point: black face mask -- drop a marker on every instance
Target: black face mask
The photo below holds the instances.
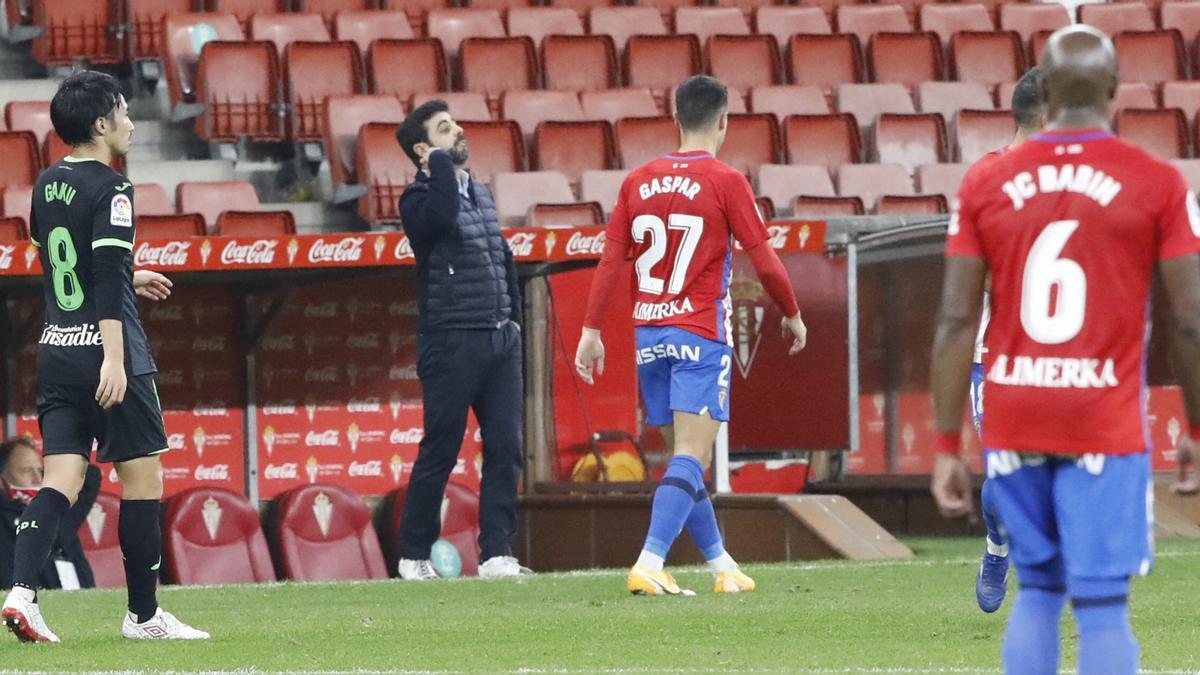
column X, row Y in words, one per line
column 459, row 153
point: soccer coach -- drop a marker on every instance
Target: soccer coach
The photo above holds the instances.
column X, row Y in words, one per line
column 468, row 343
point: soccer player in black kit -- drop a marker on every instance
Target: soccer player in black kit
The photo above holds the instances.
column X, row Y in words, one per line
column 95, row 375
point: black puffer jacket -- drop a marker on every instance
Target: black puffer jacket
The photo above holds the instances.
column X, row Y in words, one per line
column 464, row 264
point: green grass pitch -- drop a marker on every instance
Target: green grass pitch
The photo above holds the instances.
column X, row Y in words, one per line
column 902, row 617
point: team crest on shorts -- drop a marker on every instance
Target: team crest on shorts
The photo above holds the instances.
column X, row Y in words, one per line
column 721, row 396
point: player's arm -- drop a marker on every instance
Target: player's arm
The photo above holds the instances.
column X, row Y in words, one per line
column 589, row 355
column 751, row 232
column 112, row 269
column 430, row 212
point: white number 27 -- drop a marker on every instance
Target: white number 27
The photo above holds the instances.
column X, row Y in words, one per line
column 692, row 226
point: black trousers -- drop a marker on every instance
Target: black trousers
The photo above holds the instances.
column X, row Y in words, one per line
column 461, row 369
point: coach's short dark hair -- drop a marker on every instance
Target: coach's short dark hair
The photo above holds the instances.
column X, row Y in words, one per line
column 699, row 101
column 7, row 448
column 1027, row 105
column 81, row 99
column 412, row 130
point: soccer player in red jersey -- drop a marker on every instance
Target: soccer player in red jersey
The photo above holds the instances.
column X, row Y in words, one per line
column 679, row 216
column 1071, row 226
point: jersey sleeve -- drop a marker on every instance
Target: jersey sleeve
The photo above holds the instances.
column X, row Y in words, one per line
column 112, row 216
column 1179, row 220
column 745, row 222
column 962, row 235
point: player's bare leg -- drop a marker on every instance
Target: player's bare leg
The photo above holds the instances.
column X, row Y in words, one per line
column 141, row 545
column 37, row 531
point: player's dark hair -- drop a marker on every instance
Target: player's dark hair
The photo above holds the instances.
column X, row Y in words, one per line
column 699, row 101
column 7, row 448
column 412, row 130
column 1027, row 104
column 81, row 99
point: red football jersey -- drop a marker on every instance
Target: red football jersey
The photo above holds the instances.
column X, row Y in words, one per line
column 1071, row 225
column 680, row 214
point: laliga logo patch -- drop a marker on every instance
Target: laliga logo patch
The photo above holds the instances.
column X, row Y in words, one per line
column 121, row 212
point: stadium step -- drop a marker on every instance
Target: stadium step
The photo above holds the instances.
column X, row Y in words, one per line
column 1175, row 516
column 169, row 173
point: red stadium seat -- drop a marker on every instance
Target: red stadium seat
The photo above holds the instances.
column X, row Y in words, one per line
column 502, row 6
column 666, row 7
column 1153, row 57
column 784, row 21
column 574, row 147
column 825, row 140
column 150, row 199
column 1133, row 95
column 211, row 198
column 751, row 141
column 213, row 536
column 496, row 147
column 613, row 104
column 238, row 82
column 864, row 21
column 582, row 7
column 911, row 140
column 384, row 168
column 660, row 62
column 1183, row 16
column 31, row 116
column 783, row 182
column 13, row 229
column 602, row 187
column 704, row 22
column 827, row 207
column 1182, row 95
column 824, row 61
column 465, row 106
column 101, row 546
column 324, row 533
column 76, row 29
column 452, row 26
column 946, row 19
column 418, row 10
column 180, row 53
column 171, row 226
column 530, row 108
column 943, row 179
column 576, row 214
column 978, row 132
column 911, row 205
column 1160, row 132
column 1029, row 18
column 905, row 58
column 788, row 99
column 1037, row 45
column 343, row 117
column 55, row 148
column 145, row 19
column 20, row 152
column 743, row 62
column 245, row 10
column 315, row 71
column 284, row 29
column 460, row 525
column 990, row 59
column 516, row 193
column 492, row 66
column 868, row 101
column 255, row 224
column 642, row 139
column 536, row 23
column 329, row 9
column 947, row 98
column 16, row 201
column 562, row 54
column 869, row 182
column 402, row 68
column 621, row 23
column 363, row 28
column 747, row 7
column 1118, row 16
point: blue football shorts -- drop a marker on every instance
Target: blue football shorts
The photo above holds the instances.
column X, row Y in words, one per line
column 681, row 371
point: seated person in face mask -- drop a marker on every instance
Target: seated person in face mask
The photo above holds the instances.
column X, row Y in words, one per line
column 20, row 479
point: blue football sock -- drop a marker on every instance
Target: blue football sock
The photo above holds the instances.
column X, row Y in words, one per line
column 994, row 532
column 1031, row 640
column 702, row 525
column 673, row 501
column 1106, row 642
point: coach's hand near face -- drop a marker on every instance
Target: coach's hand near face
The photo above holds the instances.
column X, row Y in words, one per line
column 468, row 342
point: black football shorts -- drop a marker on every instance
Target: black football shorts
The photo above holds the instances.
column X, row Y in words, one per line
column 70, row 419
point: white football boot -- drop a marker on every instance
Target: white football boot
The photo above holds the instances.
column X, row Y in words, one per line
column 502, row 567
column 417, row 570
column 24, row 619
column 162, row 626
